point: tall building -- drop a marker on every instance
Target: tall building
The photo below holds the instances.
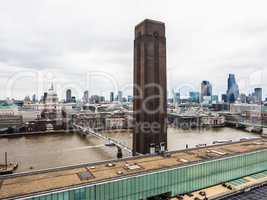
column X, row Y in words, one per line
column 68, row 96
column 150, row 92
column 120, row 96
column 258, row 95
column 111, row 97
column 251, row 98
column 86, row 96
column 243, row 98
column 27, row 100
column 102, row 99
column 95, row 99
column 73, row 99
column 194, row 97
column 177, row 97
column 34, row 99
column 45, row 97
column 214, row 99
column 224, row 98
column 232, row 89
column 206, row 90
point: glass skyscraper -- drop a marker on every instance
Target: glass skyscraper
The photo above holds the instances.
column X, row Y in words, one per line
column 258, row 95
column 194, row 97
column 206, row 90
column 232, row 89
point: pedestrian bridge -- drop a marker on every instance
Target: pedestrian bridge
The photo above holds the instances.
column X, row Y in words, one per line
column 247, row 124
column 111, row 141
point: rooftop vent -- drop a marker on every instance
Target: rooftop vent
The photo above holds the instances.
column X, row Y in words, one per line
column 132, row 166
column 119, row 172
column 183, row 160
column 110, row 164
column 85, row 175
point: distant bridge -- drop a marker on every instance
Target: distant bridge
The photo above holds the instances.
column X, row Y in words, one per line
column 89, row 131
column 247, row 124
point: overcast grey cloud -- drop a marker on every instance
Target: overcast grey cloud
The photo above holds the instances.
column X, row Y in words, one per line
column 63, row 41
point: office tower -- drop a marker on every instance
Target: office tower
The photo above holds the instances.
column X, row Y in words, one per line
column 232, row 89
column 177, row 97
column 45, row 97
column 73, row 99
column 206, row 90
column 224, row 98
column 86, row 96
column 258, row 95
column 68, row 96
column 111, row 96
column 102, row 99
column 95, row 99
column 41, row 99
column 120, row 96
column 34, row 99
column 251, row 99
column 214, row 99
column 243, row 98
column 150, row 93
column 194, row 97
column 27, row 100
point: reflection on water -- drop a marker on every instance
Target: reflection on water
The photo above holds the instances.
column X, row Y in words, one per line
column 54, row 150
column 178, row 138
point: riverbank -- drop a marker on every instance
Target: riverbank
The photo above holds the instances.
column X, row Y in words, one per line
column 33, row 133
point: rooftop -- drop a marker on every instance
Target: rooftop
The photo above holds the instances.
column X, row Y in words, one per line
column 149, row 21
column 248, row 187
column 7, row 106
column 37, row 182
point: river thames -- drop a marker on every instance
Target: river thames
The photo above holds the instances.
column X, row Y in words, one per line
column 62, row 149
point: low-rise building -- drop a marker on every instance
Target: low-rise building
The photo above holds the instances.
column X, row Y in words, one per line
column 9, row 116
column 195, row 120
column 212, row 120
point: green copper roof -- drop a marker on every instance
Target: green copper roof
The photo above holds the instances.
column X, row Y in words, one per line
column 7, row 106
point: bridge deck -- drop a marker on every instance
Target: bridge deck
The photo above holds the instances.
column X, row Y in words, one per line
column 26, row 184
column 89, row 131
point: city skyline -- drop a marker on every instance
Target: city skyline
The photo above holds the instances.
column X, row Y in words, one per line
column 197, row 50
column 118, row 95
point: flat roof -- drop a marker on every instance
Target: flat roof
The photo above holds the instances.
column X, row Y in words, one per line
column 26, row 184
column 149, row 21
column 236, row 191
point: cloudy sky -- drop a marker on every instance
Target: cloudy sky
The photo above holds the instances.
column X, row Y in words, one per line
column 89, row 44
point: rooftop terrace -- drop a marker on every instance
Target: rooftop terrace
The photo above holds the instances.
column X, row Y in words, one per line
column 25, row 184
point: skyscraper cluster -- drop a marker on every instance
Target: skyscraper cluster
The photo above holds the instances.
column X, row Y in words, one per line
column 232, row 94
column 255, row 96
